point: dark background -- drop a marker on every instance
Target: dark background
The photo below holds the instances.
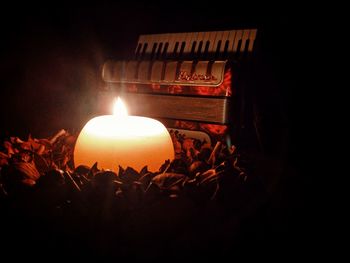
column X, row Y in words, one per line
column 51, row 55
column 50, row 65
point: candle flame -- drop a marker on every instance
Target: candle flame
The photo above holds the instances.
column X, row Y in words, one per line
column 119, row 109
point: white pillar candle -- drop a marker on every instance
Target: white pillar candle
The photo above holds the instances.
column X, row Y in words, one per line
column 122, row 140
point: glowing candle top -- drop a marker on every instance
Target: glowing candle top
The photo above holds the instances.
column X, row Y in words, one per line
column 123, row 140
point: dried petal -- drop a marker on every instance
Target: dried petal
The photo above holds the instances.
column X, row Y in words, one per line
column 41, row 163
column 27, row 169
column 70, row 140
column 9, row 148
column 3, row 155
column 82, row 170
column 214, row 153
column 45, row 142
column 144, row 170
column 58, row 135
column 197, row 166
column 187, row 144
column 146, row 179
column 16, row 140
column 201, row 176
column 177, row 147
column 3, row 159
column 129, row 176
column 28, row 182
column 93, row 171
column 167, row 180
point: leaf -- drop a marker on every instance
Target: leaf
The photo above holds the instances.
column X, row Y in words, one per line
column 16, row 140
column 129, row 175
column 167, row 180
column 27, row 169
column 93, row 171
column 26, row 146
column 72, row 181
column 82, row 170
column 177, row 146
column 176, row 143
column 23, row 162
column 146, row 179
column 3, row 155
column 197, row 166
column 121, row 171
column 57, row 135
column 36, row 146
column 105, row 177
column 165, row 166
column 70, row 140
column 40, row 163
column 144, row 170
column 213, row 156
column 187, row 144
column 29, row 182
column 9, row 148
column 3, row 159
column 45, row 142
column 200, row 177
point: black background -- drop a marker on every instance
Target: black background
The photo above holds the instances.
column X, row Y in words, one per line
column 50, row 64
column 51, row 55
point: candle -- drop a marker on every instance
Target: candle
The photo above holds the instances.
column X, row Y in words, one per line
column 122, row 140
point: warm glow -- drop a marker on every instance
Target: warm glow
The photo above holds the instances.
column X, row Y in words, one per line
column 119, row 139
column 119, row 108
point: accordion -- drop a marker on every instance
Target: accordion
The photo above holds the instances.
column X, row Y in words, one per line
column 194, row 82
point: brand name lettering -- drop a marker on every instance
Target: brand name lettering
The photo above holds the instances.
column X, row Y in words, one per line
column 185, row 76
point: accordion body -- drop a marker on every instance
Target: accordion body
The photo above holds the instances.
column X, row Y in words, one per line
column 189, row 81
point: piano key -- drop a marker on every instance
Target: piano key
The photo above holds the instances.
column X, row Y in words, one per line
column 231, row 39
column 189, row 42
column 193, row 42
column 217, row 41
column 252, row 36
column 212, row 37
column 200, row 38
column 162, row 39
column 139, row 44
column 225, row 36
column 245, row 37
column 170, row 44
column 172, row 40
column 149, row 40
column 154, row 50
column 188, row 38
column 205, row 41
column 237, row 39
column 181, row 37
column 157, row 38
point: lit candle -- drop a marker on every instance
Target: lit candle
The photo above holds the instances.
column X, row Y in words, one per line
column 119, row 139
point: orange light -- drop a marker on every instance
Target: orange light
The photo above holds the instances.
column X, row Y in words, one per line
column 119, row 139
